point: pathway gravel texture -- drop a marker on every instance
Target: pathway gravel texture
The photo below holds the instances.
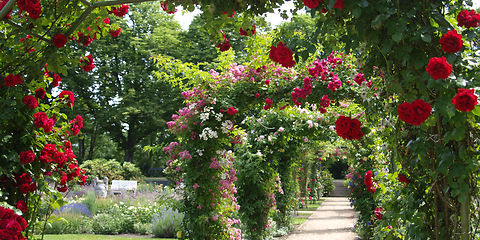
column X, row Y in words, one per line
column 333, row 220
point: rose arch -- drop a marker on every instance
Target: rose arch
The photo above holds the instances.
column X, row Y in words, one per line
column 405, row 85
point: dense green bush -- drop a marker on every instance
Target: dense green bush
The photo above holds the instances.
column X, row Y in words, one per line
column 112, row 169
column 326, row 179
column 69, row 223
column 143, row 228
column 167, row 223
column 105, row 223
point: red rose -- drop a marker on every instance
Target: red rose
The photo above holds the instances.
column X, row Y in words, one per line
column 224, row 45
column 282, row 55
column 30, row 101
column 405, row 112
column 360, row 78
column 121, row 11
column 77, row 125
column 59, row 40
column 325, row 101
column 451, row 42
column 86, row 63
column 165, row 8
column 368, row 181
column 403, row 178
column 32, row 7
column 56, row 80
column 115, row 33
column 62, row 189
column 106, row 20
column 249, row 32
column 439, row 68
column 339, row 4
column 232, row 111
column 12, row 80
column 322, row 110
column 465, row 100
column 311, row 3
column 85, row 40
column 22, row 206
column 40, row 119
column 468, row 19
column 27, row 157
column 67, row 97
column 348, row 128
column 414, row 113
column 378, row 213
column 231, row 15
column 422, row 111
column 40, row 93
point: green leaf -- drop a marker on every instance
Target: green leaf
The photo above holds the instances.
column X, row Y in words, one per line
column 397, row 37
column 357, row 12
column 426, row 37
column 476, row 111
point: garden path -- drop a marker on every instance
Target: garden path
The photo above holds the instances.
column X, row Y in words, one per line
column 333, row 220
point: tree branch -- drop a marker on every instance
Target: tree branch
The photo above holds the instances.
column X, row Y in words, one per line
column 4, row 11
column 26, row 31
column 90, row 8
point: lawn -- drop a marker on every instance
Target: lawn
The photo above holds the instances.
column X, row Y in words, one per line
column 298, row 221
column 312, row 207
column 98, row 237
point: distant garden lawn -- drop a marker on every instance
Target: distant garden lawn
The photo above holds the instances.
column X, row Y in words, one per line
column 97, row 237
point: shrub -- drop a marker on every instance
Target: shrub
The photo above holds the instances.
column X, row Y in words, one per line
column 69, row 223
column 326, row 180
column 166, row 223
column 112, row 169
column 143, row 228
column 104, row 223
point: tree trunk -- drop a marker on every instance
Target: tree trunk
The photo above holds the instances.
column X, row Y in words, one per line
column 81, row 149
column 93, row 140
column 131, row 141
column 465, row 217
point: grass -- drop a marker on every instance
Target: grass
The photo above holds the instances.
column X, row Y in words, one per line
column 97, row 237
column 312, row 207
column 304, row 214
column 298, row 221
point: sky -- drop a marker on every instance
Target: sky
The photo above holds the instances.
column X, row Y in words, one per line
column 273, row 18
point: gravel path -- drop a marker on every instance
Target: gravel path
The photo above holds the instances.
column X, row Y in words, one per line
column 333, row 220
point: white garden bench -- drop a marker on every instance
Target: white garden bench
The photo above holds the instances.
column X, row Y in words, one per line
column 119, row 186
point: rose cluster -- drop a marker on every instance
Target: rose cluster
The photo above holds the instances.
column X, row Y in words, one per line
column 86, row 63
column 468, row 19
column 120, row 11
column 12, row 80
column 25, row 183
column 165, row 8
column 378, row 213
column 348, row 128
column 76, row 124
column 32, row 7
column 281, row 54
column 268, row 104
column 11, row 225
column 402, row 178
column 368, row 181
column 414, row 113
column 303, row 92
column 223, row 45
column 249, row 31
column 41, row 120
column 324, row 102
